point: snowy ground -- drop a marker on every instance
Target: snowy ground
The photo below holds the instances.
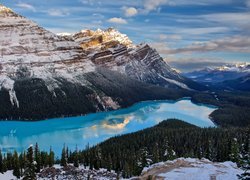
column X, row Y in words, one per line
column 7, row 176
column 192, row 169
column 178, row 169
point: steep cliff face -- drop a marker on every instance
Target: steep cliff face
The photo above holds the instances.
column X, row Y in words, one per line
column 29, row 51
column 43, row 75
column 113, row 50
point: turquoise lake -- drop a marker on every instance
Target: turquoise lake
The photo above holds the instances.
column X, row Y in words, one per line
column 95, row 128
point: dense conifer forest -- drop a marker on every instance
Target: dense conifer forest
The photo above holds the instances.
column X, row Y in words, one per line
column 128, row 154
column 233, row 107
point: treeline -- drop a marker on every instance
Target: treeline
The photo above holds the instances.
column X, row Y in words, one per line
column 28, row 163
column 234, row 107
column 129, row 154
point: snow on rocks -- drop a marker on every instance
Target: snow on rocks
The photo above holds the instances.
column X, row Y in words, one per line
column 112, row 49
column 71, row 173
column 8, row 84
column 33, row 52
column 192, row 169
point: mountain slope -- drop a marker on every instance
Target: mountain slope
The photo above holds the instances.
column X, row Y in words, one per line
column 219, row 74
column 115, row 51
column 242, row 83
column 103, row 90
column 43, row 75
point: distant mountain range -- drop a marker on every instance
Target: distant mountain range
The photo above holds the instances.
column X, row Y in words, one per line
column 230, row 77
column 219, row 74
column 45, row 75
column 242, row 83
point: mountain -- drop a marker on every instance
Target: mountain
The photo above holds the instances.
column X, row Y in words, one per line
column 43, row 75
column 115, row 51
column 242, row 83
column 219, row 74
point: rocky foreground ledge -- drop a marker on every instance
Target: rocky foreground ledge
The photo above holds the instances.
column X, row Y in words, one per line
column 181, row 168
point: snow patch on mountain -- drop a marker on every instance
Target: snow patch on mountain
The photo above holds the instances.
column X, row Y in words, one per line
column 8, row 84
column 114, row 50
column 182, row 85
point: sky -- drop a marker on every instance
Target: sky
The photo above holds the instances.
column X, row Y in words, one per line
column 188, row 34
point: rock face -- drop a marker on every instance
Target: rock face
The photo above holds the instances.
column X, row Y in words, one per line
column 43, row 75
column 29, row 51
column 182, row 168
column 115, row 51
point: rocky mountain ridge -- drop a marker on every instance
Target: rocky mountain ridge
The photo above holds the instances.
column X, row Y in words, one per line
column 115, row 51
column 220, row 74
column 45, row 75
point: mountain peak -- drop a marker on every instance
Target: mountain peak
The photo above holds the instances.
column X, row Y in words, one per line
column 99, row 37
column 4, row 9
column 6, row 12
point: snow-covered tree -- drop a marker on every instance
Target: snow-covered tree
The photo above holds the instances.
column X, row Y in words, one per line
column 29, row 172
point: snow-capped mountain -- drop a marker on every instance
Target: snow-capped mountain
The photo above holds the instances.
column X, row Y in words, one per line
column 29, row 51
column 45, row 75
column 115, row 51
column 219, row 74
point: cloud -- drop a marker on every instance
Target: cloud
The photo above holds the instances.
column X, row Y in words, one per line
column 227, row 44
column 151, row 5
column 87, row 2
column 130, row 11
column 203, row 31
column 26, row 6
column 229, row 18
column 248, row 3
column 199, row 2
column 116, row 20
column 57, row 12
column 164, row 37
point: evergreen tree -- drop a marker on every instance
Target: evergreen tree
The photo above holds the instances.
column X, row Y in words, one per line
column 235, row 151
column 67, row 153
column 98, row 154
column 29, row 172
column 4, row 164
column 169, row 153
column 9, row 161
column 16, row 165
column 144, row 158
column 211, row 150
column 44, row 159
column 22, row 162
column 63, row 157
column 51, row 158
column 75, row 158
column 245, row 161
column 109, row 163
column 1, row 162
column 37, row 158
column 156, row 154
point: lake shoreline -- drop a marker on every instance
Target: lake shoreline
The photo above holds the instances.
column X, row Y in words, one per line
column 82, row 115
column 95, row 128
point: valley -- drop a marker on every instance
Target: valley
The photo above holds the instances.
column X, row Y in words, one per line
column 95, row 105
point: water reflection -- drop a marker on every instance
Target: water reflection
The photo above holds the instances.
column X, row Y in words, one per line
column 94, row 128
